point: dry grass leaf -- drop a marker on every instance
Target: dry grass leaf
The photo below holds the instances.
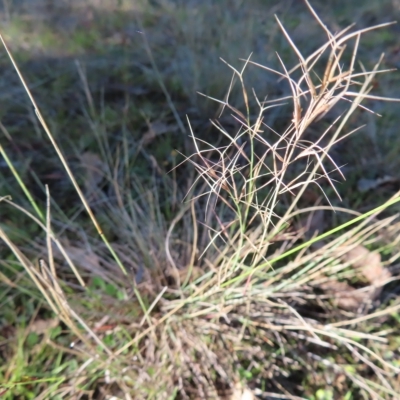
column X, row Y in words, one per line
column 369, row 264
column 7, row 281
column 41, row 326
column 345, row 296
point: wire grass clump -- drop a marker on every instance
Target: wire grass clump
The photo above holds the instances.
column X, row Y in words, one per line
column 265, row 304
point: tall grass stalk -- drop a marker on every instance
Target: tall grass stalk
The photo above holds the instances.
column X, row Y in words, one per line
column 63, row 162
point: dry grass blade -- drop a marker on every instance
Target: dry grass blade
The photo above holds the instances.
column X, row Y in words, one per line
column 303, row 61
column 62, row 159
column 50, row 235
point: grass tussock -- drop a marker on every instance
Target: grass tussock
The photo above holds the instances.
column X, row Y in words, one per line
column 225, row 284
